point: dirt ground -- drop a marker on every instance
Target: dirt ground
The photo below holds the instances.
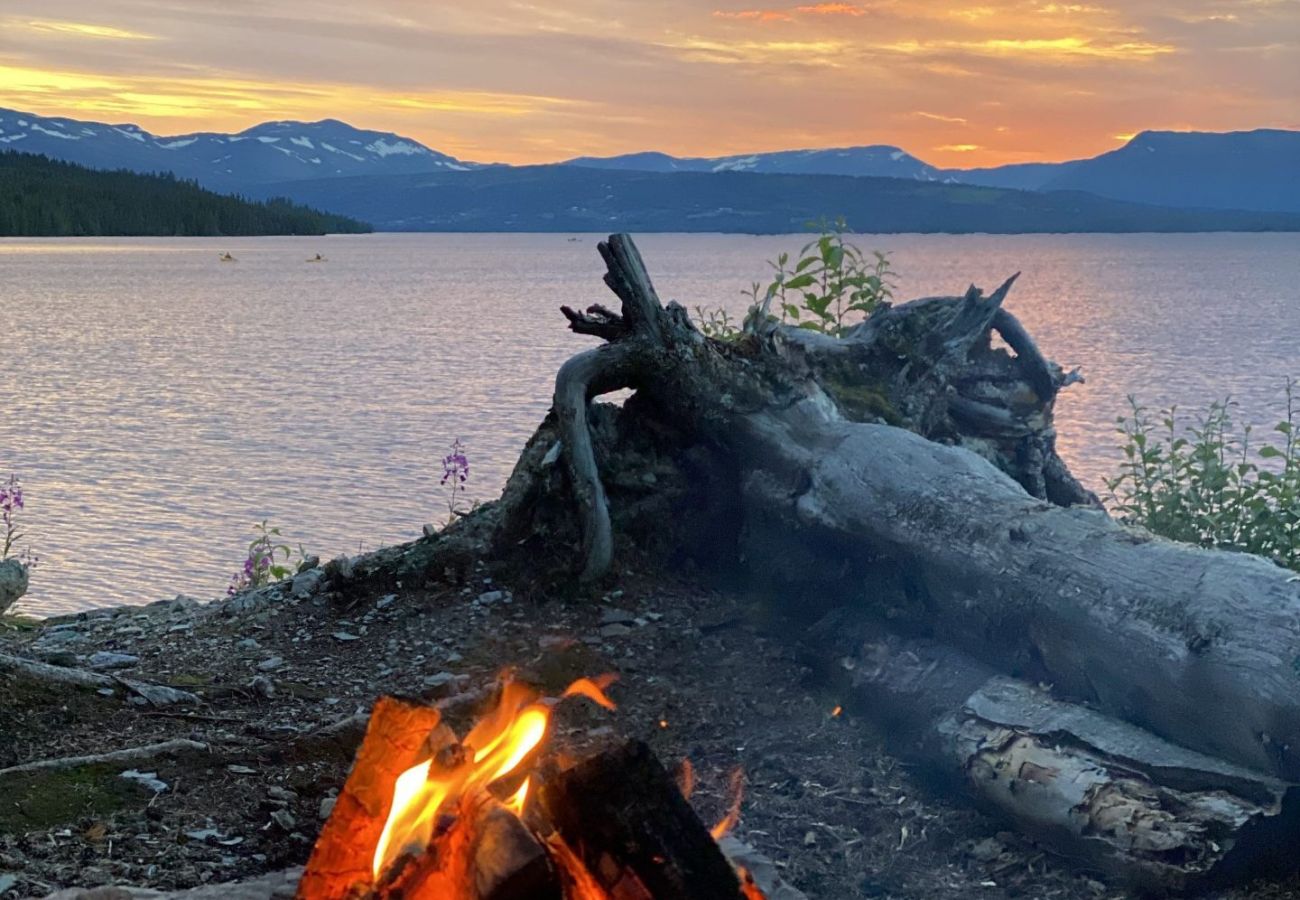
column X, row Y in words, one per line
column 699, row 679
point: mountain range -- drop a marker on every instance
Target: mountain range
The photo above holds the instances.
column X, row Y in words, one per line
column 398, row 183
column 272, row 151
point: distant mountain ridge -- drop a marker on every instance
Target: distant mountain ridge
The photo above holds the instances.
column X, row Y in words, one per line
column 1255, row 170
column 574, row 199
column 272, row 151
column 1232, row 170
column 879, row 160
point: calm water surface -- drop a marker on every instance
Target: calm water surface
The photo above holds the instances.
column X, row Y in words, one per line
column 158, row 402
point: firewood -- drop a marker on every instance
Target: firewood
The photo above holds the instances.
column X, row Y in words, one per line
column 341, row 862
column 622, row 814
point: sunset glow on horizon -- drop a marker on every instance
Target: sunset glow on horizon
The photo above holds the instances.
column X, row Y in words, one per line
column 961, row 84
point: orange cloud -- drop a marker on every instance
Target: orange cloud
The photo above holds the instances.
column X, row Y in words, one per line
column 831, row 9
column 758, row 15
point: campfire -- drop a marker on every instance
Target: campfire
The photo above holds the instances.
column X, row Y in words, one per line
column 500, row 815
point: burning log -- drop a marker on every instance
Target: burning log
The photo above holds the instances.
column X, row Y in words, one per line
column 426, row 815
column 625, row 818
column 1091, row 787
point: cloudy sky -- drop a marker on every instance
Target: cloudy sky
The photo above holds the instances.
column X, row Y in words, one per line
column 956, row 83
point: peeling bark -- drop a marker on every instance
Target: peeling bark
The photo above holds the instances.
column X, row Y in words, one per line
column 1091, row 787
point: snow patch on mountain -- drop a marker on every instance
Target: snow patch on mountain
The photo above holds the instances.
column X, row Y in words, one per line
column 382, row 147
column 176, row 145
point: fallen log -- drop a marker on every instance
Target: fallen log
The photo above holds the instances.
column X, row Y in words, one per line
column 910, row 469
column 44, row 673
column 1088, row 786
column 125, row 755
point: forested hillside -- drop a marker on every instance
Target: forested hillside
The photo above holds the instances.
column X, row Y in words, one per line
column 42, row 197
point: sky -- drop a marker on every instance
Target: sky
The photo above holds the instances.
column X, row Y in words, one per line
column 955, row 83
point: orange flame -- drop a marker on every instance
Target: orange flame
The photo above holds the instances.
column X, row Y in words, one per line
column 580, row 884
column 686, row 778
column 494, row 748
column 724, row 827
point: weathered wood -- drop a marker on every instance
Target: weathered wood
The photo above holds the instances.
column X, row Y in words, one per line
column 1199, row 647
column 1087, row 785
column 622, row 814
column 32, row 670
column 125, row 755
column 273, row 886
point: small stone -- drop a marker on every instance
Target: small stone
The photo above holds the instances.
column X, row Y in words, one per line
column 64, row 658
column 443, row 684
column 344, row 636
column 275, row 792
column 616, row 630
column 147, row 780
column 487, row 598
column 385, row 601
column 262, row 686
column 429, row 530
column 270, row 665
column 987, row 850
column 240, row 770
column 616, row 617
column 248, row 644
column 109, row 660
column 182, row 626
column 454, row 657
column 810, row 839
column 105, row 692
column 284, row 819
column 326, row 807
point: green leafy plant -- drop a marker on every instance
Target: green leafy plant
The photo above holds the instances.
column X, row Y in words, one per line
column 831, row 287
column 1205, row 483
column 717, row 323
column 267, row 561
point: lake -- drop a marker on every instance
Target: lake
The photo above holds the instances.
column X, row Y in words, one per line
column 158, row 402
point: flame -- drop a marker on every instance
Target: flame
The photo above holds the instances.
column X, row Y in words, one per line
column 748, row 889
column 728, row 822
column 494, row 748
column 686, row 778
column 580, row 884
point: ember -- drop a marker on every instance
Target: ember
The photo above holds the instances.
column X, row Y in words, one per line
column 427, row 815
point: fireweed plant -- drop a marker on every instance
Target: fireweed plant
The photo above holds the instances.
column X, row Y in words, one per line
column 455, row 474
column 11, row 507
column 1206, row 483
column 267, row 560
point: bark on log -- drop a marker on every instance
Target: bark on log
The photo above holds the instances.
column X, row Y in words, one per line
column 1199, row 647
column 625, row 818
column 127, row 755
column 32, row 670
column 1086, row 785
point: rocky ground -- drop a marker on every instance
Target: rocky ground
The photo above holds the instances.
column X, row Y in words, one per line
column 702, row 677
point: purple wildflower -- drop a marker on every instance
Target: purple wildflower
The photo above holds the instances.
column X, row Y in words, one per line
column 11, row 501
column 455, row 471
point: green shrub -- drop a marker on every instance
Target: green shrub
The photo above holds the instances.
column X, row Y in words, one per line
column 830, row 288
column 1207, row 484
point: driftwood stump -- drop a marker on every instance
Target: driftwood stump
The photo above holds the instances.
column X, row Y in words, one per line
column 906, row 472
